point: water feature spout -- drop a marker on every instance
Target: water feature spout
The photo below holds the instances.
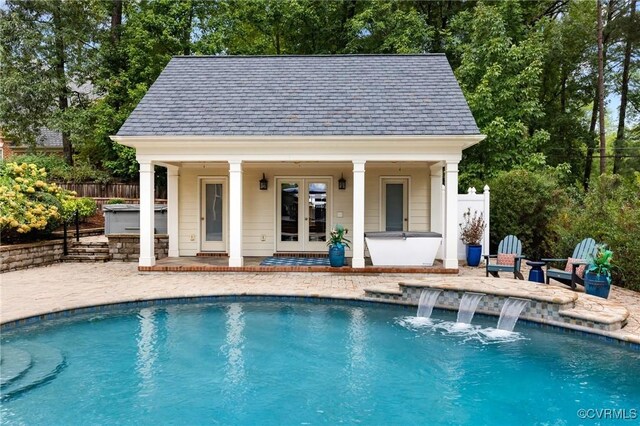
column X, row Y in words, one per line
column 428, row 298
column 511, row 310
column 468, row 305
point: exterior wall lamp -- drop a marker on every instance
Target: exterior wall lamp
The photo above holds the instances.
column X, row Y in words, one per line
column 342, row 183
column 264, row 183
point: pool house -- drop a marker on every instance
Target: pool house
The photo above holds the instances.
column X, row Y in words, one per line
column 265, row 154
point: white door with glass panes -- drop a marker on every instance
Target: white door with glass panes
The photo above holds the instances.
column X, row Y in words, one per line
column 213, row 215
column 303, row 210
column 394, row 205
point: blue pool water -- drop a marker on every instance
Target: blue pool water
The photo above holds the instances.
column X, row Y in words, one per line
column 313, row 363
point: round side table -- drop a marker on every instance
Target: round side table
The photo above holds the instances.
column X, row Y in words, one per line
column 536, row 274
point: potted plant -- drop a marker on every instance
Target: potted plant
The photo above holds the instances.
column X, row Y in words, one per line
column 597, row 278
column 337, row 242
column 471, row 232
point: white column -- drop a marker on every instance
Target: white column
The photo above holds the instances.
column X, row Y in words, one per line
column 357, row 241
column 147, row 199
column 436, row 203
column 451, row 215
column 235, row 213
column 173, row 180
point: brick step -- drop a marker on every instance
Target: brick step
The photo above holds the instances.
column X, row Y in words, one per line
column 86, row 258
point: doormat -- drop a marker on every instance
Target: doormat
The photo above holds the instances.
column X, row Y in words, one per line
column 295, row 261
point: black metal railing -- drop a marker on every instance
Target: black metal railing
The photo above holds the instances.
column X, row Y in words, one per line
column 76, row 219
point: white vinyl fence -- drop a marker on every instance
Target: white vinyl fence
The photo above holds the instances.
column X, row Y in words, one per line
column 476, row 202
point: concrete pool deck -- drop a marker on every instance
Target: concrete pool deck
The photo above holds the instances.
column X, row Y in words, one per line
column 64, row 286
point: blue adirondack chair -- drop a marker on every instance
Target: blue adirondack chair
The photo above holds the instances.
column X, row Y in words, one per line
column 584, row 250
column 509, row 245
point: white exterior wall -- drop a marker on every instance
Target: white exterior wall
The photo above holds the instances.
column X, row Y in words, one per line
column 189, row 198
column 419, row 195
column 260, row 210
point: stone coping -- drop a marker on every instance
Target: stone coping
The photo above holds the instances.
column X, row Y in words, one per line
column 591, row 308
column 57, row 240
column 505, row 287
column 11, row 247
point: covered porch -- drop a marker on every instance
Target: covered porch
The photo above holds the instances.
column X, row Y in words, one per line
column 390, row 184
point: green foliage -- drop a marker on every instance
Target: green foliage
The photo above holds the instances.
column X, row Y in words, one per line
column 86, row 207
column 58, row 170
column 29, row 206
column 524, row 203
column 500, row 73
column 337, row 236
column 566, row 87
column 115, row 201
column 609, row 213
column 600, row 264
column 46, row 53
column 388, row 27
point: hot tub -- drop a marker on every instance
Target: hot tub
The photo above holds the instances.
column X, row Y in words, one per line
column 403, row 248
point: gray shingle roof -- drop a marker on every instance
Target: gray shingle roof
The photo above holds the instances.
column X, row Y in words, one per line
column 303, row 95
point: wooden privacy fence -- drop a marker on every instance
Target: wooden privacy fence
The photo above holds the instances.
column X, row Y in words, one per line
column 103, row 192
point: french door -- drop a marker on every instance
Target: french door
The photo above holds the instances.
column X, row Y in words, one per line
column 213, row 215
column 303, row 208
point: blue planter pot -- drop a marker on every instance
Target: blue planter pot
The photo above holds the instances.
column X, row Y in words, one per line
column 597, row 285
column 474, row 253
column 336, row 255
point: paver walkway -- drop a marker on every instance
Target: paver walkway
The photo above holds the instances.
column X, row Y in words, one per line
column 72, row 285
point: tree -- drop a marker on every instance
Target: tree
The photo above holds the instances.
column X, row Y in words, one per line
column 566, row 89
column 47, row 56
column 500, row 73
column 603, row 140
column 624, row 89
column 388, row 27
column 132, row 53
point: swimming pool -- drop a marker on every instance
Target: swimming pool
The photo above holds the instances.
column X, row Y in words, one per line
column 270, row 362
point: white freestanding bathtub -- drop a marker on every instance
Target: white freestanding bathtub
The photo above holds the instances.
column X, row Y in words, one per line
column 403, row 248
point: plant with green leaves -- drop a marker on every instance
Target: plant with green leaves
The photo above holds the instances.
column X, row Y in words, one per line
column 600, row 263
column 337, row 237
column 85, row 207
column 525, row 203
column 609, row 213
